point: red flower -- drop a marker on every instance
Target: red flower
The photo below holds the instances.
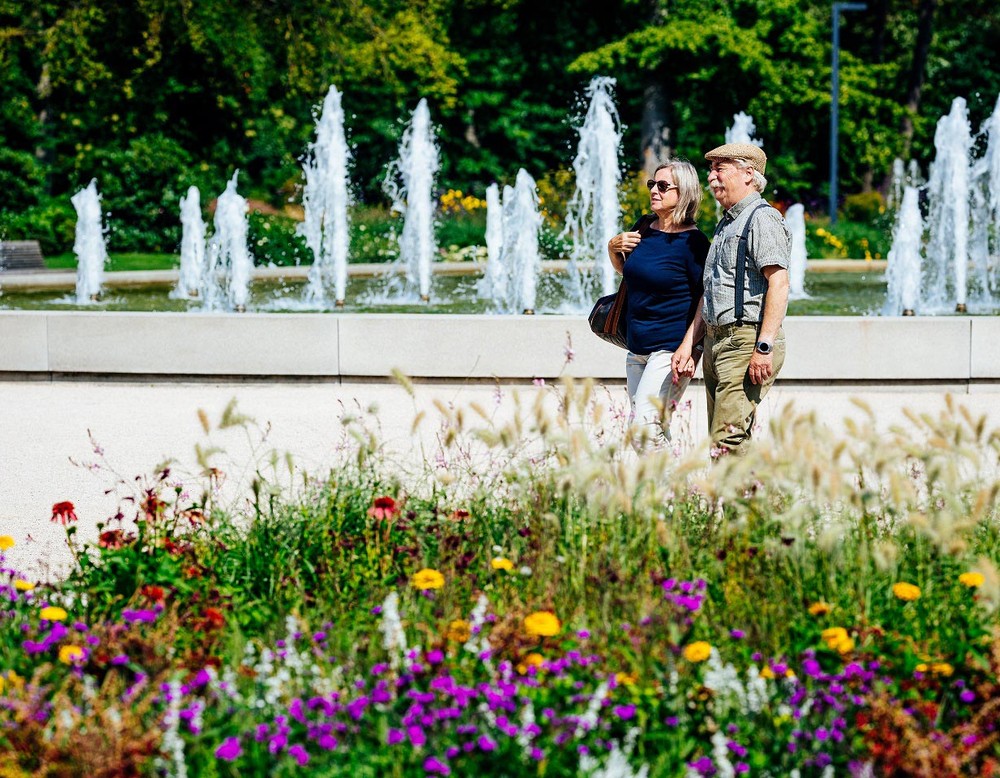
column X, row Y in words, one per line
column 384, row 508
column 111, row 539
column 63, row 512
column 154, row 593
column 214, row 617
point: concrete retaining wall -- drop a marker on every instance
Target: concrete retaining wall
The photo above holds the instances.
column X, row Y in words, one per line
column 959, row 352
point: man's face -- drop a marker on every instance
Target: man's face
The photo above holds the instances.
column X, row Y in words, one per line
column 729, row 182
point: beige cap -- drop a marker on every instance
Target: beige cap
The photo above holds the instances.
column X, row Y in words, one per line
column 753, row 154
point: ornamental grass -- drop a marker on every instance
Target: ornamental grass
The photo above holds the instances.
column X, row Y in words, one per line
column 532, row 599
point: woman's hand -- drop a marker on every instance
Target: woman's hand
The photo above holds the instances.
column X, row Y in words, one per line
column 624, row 242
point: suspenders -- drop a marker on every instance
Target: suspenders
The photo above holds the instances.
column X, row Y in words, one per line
column 741, row 261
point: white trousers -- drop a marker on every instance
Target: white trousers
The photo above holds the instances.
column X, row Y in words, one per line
column 653, row 393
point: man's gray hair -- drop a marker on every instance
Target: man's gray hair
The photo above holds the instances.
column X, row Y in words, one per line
column 759, row 182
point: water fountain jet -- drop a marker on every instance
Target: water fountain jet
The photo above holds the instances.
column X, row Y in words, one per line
column 89, row 247
column 325, row 199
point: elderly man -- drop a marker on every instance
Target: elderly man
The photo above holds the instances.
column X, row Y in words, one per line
column 746, row 292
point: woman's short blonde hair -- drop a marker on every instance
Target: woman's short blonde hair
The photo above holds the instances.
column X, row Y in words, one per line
column 689, row 191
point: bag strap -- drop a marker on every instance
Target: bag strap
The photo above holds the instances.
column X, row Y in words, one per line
column 741, row 263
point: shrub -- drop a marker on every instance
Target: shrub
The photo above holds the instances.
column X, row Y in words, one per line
column 274, row 239
column 52, row 223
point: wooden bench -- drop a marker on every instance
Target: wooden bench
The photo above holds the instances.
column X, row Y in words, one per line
column 18, row 255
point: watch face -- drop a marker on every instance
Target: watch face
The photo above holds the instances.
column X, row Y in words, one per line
column 764, row 348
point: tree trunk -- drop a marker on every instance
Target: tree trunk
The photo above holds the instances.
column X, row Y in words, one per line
column 655, row 104
column 655, row 123
column 921, row 49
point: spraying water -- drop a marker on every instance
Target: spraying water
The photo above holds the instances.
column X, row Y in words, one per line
column 519, row 261
column 593, row 212
column 984, row 242
column 409, row 183
column 227, row 282
column 895, row 198
column 946, row 271
column 742, row 130
column 492, row 286
column 903, row 269
column 91, row 252
column 795, row 220
column 326, row 198
column 192, row 272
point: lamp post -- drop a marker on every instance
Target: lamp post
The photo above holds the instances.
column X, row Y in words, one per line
column 835, row 100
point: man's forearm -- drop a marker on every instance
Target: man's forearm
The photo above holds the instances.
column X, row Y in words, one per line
column 775, row 304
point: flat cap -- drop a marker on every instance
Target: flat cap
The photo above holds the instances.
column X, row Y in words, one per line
column 753, row 154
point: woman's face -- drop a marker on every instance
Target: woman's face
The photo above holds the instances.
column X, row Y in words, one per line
column 662, row 202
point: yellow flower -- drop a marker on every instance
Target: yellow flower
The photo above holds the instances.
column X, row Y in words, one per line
column 833, row 635
column 844, row 646
column 820, row 608
column 459, row 631
column 533, row 659
column 428, row 578
column 23, row 586
column 942, row 668
column 626, row 679
column 12, row 679
column 6, row 541
column 698, row 651
column 542, row 624
column 501, row 563
column 53, row 613
column 971, row 579
column 921, row 668
column 70, row 654
column 767, row 672
column 906, row 591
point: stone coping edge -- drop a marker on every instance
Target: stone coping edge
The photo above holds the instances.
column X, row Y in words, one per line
column 951, row 350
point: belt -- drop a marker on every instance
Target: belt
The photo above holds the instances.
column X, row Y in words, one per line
column 722, row 330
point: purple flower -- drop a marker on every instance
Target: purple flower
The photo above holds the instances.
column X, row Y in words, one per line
column 417, row 736
column 671, row 721
column 703, row 766
column 741, row 767
column 486, row 744
column 299, row 753
column 436, row 766
column 394, row 736
column 229, row 750
column 624, row 712
column 737, row 634
column 967, row 696
column 435, row 657
column 135, row 616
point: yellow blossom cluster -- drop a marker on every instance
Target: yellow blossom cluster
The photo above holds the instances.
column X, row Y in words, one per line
column 837, row 639
column 832, row 240
column 501, row 563
column 453, row 201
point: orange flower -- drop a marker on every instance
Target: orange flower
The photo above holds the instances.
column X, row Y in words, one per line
column 384, row 508
column 64, row 513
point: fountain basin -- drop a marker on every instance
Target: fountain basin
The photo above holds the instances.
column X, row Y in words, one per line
column 956, row 353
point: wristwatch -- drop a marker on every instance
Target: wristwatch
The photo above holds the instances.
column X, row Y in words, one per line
column 763, row 347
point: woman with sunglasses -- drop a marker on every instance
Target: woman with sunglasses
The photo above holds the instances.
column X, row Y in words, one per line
column 661, row 259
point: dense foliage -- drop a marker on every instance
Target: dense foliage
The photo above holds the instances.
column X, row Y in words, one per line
column 152, row 96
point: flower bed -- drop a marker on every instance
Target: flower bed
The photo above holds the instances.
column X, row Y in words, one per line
column 535, row 601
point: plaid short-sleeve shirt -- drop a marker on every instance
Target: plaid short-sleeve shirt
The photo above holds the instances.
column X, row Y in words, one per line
column 769, row 243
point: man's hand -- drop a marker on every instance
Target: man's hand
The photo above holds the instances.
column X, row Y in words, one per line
column 761, row 368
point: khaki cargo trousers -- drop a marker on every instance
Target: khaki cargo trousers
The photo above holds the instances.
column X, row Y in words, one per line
column 732, row 399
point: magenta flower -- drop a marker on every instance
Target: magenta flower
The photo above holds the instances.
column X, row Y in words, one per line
column 434, row 765
column 229, row 750
column 299, row 753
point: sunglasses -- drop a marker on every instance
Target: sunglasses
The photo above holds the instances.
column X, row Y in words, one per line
column 663, row 186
